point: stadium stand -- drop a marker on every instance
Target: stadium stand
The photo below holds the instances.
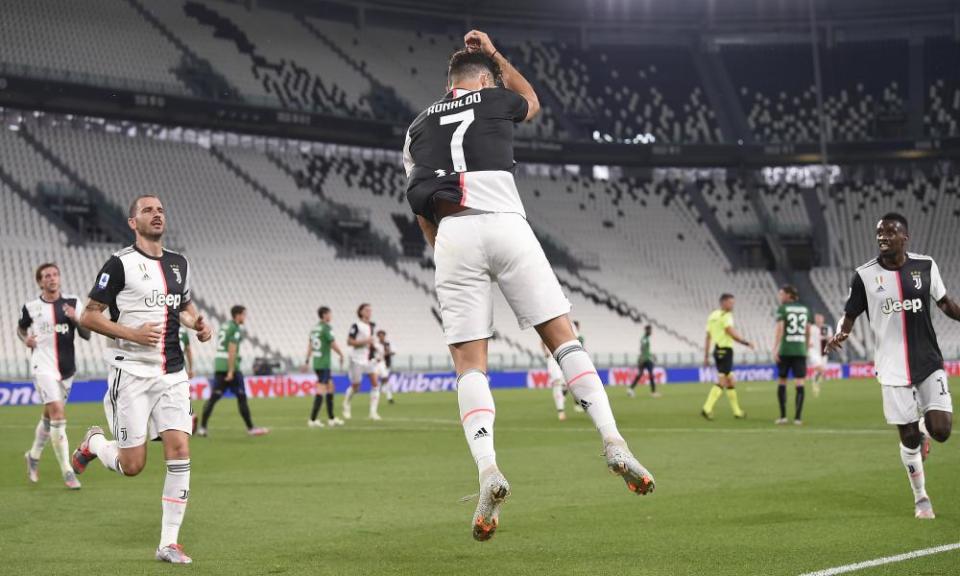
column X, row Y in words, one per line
column 863, row 82
column 943, row 80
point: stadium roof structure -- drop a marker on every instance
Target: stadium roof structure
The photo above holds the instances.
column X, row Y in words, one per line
column 684, row 12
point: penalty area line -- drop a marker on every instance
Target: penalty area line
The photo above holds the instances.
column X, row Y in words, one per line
column 885, row 560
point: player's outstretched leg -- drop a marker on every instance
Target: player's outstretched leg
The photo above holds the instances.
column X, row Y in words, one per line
column 716, row 391
column 96, row 446
column 911, row 455
column 587, row 389
column 176, row 493
column 61, row 448
column 346, row 409
column 477, row 415
column 374, row 398
column 40, row 438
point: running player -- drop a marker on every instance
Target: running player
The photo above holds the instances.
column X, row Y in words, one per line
column 47, row 326
column 458, row 157
column 644, row 364
column 384, row 353
column 321, row 343
column 187, row 352
column 790, row 347
column 820, row 334
column 722, row 334
column 147, row 291
column 895, row 290
column 360, row 340
column 227, row 374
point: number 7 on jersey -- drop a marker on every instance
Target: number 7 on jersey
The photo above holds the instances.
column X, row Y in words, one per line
column 465, row 119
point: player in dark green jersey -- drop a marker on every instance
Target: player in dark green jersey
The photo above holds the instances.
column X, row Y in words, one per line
column 227, row 374
column 187, row 352
column 790, row 349
column 645, row 364
column 321, row 343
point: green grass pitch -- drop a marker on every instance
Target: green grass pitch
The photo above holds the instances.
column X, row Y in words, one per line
column 733, row 497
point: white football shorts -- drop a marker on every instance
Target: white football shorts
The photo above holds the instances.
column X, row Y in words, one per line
column 51, row 388
column 358, row 369
column 474, row 250
column 139, row 409
column 906, row 404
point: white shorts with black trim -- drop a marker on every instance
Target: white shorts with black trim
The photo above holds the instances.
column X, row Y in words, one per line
column 906, row 404
column 358, row 369
column 51, row 388
column 139, row 409
column 474, row 250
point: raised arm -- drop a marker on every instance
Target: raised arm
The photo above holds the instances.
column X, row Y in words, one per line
column 513, row 80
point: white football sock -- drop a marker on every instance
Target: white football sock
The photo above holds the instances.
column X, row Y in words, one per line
column 587, row 389
column 348, row 396
column 107, row 451
column 477, row 413
column 40, row 438
column 61, row 448
column 913, row 462
column 374, row 400
column 387, row 389
column 176, row 492
column 558, row 400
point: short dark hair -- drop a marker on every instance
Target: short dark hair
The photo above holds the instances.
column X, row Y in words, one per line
column 43, row 267
column 132, row 212
column 791, row 291
column 361, row 307
column 725, row 296
column 896, row 217
column 237, row 310
column 381, row 331
column 648, row 327
column 322, row 311
column 464, row 63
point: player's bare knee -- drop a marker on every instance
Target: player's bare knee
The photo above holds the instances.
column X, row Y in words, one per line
column 54, row 411
column 132, row 464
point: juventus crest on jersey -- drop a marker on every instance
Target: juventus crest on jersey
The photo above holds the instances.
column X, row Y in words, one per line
column 55, row 334
column 460, row 149
column 139, row 288
column 898, row 303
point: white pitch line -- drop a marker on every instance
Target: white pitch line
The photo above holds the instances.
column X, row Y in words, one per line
column 885, row 560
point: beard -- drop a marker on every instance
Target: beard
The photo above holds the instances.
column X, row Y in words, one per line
column 148, row 233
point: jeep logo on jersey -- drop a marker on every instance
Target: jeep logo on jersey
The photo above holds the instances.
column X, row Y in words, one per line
column 891, row 306
column 61, row 328
column 160, row 299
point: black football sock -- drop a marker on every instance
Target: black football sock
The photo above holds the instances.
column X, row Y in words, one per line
column 330, row 405
column 317, row 404
column 782, row 397
column 653, row 383
column 244, row 410
column 635, row 380
column 208, row 407
column 801, row 392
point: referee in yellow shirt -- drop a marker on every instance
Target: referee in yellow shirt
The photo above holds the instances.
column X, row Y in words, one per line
column 721, row 333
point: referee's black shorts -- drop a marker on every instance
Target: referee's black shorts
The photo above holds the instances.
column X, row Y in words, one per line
column 723, row 358
column 795, row 364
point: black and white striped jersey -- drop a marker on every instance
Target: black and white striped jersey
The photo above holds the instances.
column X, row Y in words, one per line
column 55, row 334
column 139, row 288
column 898, row 303
column 460, row 149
